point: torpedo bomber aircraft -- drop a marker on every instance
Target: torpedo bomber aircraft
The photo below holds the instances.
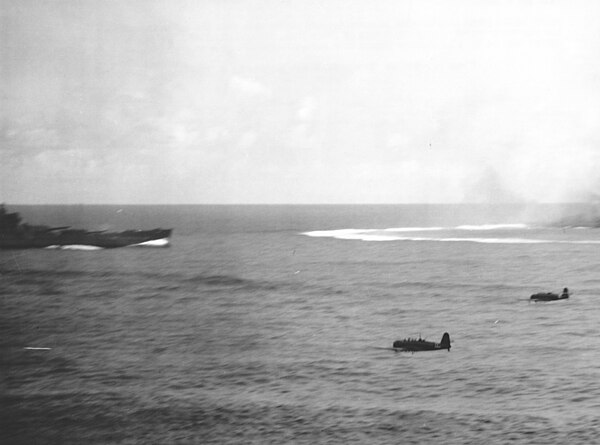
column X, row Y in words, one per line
column 550, row 296
column 418, row 344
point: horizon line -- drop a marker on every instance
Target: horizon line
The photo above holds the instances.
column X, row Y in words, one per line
column 514, row 203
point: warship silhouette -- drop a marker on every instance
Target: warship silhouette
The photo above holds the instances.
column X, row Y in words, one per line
column 15, row 234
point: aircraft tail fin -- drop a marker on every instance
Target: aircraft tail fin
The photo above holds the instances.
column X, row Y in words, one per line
column 445, row 343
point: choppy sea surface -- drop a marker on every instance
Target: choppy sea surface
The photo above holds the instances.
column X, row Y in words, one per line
column 266, row 324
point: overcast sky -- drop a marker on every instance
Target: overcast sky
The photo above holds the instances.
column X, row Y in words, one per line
column 328, row 101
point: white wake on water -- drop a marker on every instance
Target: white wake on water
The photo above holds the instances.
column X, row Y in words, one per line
column 493, row 227
column 74, row 247
column 415, row 229
column 389, row 235
column 462, row 227
column 163, row 242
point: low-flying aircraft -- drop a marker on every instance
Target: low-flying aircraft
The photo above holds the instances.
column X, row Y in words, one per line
column 418, row 344
column 550, row 296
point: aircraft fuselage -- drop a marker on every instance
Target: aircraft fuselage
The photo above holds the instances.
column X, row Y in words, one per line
column 414, row 345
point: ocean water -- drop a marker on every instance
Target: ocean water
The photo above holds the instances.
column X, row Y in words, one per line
column 267, row 324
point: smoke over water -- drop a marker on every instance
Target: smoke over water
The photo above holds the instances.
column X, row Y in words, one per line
column 586, row 216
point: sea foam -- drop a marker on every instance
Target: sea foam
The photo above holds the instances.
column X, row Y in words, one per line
column 388, row 235
column 163, row 242
column 74, row 247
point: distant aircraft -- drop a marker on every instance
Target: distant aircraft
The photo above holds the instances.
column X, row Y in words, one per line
column 418, row 344
column 549, row 296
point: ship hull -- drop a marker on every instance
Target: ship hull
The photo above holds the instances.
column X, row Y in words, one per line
column 107, row 240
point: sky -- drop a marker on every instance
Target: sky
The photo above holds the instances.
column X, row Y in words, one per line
column 299, row 101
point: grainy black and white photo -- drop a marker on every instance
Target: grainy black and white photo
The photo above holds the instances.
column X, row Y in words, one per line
column 299, row 222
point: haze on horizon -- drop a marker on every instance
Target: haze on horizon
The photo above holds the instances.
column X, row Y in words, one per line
column 338, row 101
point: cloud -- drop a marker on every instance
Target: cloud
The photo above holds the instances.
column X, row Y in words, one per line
column 342, row 102
column 248, row 87
column 307, row 109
